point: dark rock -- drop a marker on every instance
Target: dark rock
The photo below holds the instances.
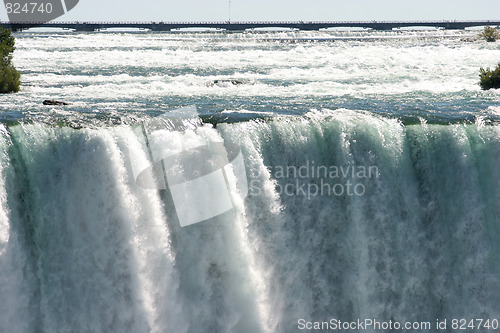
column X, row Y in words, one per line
column 222, row 82
column 54, row 102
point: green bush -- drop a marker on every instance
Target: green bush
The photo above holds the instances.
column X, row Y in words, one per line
column 9, row 76
column 490, row 78
column 9, row 79
column 490, row 34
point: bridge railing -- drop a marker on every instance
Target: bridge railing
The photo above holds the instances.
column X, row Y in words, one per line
column 254, row 22
column 89, row 25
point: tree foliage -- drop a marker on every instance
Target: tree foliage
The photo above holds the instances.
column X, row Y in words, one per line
column 9, row 76
column 489, row 78
column 490, row 34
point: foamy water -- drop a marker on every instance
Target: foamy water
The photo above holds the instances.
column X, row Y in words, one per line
column 413, row 73
column 371, row 163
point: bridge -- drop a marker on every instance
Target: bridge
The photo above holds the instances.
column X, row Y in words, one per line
column 241, row 26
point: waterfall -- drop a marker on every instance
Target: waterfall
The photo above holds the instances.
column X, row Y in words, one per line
column 348, row 216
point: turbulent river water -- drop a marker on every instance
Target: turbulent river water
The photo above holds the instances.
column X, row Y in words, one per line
column 343, row 176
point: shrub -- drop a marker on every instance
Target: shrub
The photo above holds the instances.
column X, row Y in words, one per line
column 489, row 78
column 9, row 79
column 490, row 34
column 9, row 76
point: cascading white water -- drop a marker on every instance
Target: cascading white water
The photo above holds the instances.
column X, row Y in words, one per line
column 419, row 244
column 84, row 248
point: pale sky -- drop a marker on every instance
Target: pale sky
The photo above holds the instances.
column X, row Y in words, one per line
column 281, row 10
